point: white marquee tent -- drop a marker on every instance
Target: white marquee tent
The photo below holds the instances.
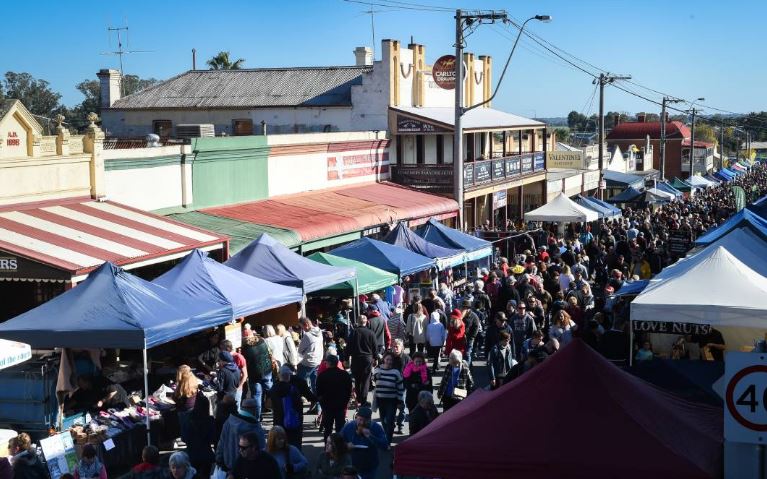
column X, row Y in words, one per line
column 562, row 210
column 711, row 287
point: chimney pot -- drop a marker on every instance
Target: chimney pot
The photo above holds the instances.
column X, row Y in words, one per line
column 111, row 85
column 363, row 56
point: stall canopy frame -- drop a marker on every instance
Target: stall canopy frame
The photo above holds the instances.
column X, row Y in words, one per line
column 368, row 279
column 402, row 236
column 439, row 234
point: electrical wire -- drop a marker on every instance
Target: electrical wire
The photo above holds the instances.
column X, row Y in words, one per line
column 400, row 7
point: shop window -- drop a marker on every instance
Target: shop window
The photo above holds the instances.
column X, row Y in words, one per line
column 440, row 149
column 242, row 127
column 163, row 128
column 420, row 150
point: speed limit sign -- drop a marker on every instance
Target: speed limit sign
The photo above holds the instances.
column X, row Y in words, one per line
column 745, row 399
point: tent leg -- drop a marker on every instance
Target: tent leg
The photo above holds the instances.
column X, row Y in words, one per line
column 356, row 300
column 303, row 301
column 146, row 398
column 631, row 344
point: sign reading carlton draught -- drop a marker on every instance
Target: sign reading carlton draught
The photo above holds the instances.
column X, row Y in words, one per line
column 565, row 159
column 443, row 72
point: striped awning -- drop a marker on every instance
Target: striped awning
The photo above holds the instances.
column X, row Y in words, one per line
column 76, row 236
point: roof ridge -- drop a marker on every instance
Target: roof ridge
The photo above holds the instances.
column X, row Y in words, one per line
column 331, row 67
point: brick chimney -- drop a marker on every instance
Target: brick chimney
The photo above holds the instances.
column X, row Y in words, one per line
column 110, row 86
column 641, row 117
column 363, row 56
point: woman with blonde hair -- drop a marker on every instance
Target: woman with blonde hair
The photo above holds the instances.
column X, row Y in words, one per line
column 563, row 327
column 187, row 386
column 289, row 351
column 292, row 463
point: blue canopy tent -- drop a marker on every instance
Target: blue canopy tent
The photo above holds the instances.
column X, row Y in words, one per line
column 618, row 179
column 632, row 288
column 114, row 309
column 439, row 234
column 616, row 211
column 391, row 258
column 664, row 186
column 603, row 210
column 403, row 236
column 270, row 260
column 199, row 276
column 712, row 178
column 759, row 207
column 722, row 176
column 744, row 217
column 626, row 196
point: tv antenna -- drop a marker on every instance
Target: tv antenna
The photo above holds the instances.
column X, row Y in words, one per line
column 120, row 52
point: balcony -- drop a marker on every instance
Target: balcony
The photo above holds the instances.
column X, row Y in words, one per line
column 476, row 174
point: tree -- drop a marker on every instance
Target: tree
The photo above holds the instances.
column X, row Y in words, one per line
column 705, row 132
column 562, row 134
column 575, row 120
column 91, row 90
column 222, row 62
column 35, row 94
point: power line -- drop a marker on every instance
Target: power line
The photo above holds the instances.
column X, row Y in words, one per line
column 424, row 8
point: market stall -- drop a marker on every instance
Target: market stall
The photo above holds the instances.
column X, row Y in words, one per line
column 604, row 210
column 385, row 256
column 562, row 210
column 628, row 195
column 403, row 236
column 670, row 437
column 743, row 218
column 199, row 276
column 369, row 278
column 439, row 234
column 664, row 186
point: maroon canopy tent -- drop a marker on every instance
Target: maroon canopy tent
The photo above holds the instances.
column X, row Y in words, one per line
column 575, row 415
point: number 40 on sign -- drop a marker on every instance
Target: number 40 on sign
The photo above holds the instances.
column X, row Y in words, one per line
column 745, row 405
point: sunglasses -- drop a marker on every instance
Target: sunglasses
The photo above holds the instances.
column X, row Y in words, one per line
column 242, row 448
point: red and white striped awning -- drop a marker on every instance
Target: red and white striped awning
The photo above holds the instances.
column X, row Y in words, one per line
column 79, row 235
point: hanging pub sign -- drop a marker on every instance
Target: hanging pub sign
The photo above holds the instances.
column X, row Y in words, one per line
column 411, row 125
column 443, row 72
column 668, row 327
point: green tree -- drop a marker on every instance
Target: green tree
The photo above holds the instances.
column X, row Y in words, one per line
column 576, row 120
column 35, row 94
column 562, row 134
column 222, row 62
column 705, row 132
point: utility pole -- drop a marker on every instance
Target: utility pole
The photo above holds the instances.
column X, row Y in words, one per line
column 663, row 135
column 603, row 80
column 464, row 20
column 692, row 143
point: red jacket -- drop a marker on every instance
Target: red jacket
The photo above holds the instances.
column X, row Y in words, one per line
column 456, row 338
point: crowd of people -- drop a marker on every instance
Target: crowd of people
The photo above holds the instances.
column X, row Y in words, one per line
column 514, row 315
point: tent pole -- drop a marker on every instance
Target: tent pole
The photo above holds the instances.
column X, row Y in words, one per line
column 631, row 344
column 303, row 300
column 146, row 396
column 356, row 300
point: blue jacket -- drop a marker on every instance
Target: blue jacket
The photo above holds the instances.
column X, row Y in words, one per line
column 228, row 448
column 365, row 459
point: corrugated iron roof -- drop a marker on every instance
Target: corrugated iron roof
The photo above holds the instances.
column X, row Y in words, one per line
column 326, row 213
column 262, row 87
column 637, row 130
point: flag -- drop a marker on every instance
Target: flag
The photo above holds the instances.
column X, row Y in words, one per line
column 740, row 197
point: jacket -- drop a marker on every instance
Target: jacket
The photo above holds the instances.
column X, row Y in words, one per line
column 147, row 471
column 198, row 434
column 228, row 447
column 27, row 465
column 334, row 389
column 465, row 380
column 365, row 459
column 227, row 380
column 416, row 327
column 310, row 348
column 456, row 338
column 379, row 328
column 295, row 388
column 435, row 332
column 420, row 418
column 496, row 362
column 257, row 358
column 473, row 326
column 362, row 344
column 493, row 335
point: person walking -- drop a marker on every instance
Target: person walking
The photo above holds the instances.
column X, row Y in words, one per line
column 259, row 369
column 472, row 326
column 252, row 461
column 416, row 327
column 436, row 334
column 500, row 361
column 334, row 390
column 389, row 392
column 227, row 376
column 362, row 353
column 417, row 378
column 238, row 423
column 423, row 413
column 288, row 408
column 198, row 432
column 456, row 333
column 457, row 381
column 311, row 351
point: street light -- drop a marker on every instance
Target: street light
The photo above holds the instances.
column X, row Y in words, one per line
column 459, row 108
column 692, row 133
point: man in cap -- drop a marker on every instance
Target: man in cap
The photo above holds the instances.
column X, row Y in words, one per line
column 493, row 335
column 523, row 325
column 364, row 438
column 227, row 375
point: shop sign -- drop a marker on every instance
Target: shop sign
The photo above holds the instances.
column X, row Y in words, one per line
column 8, row 264
column 668, row 327
column 443, row 72
column 538, row 161
column 527, row 164
column 498, row 169
column 468, row 174
column 411, row 125
column 499, row 199
column 482, row 172
column 512, row 166
column 60, row 455
column 565, row 159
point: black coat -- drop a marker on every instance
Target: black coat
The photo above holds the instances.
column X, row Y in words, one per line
column 334, row 389
column 362, row 344
column 282, row 390
column 420, row 418
column 29, row 466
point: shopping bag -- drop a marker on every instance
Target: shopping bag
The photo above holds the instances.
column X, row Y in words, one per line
column 218, row 473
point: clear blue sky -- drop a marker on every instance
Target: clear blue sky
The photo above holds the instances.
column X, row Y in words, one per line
column 706, row 48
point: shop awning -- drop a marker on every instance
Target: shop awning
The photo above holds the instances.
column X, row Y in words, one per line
column 385, row 256
column 270, row 260
column 66, row 239
column 199, row 276
column 240, row 233
column 618, row 179
column 437, row 233
column 403, row 236
column 369, row 278
column 333, row 212
column 441, row 119
column 114, row 309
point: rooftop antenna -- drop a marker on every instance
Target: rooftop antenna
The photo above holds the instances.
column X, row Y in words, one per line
column 372, row 13
column 120, row 52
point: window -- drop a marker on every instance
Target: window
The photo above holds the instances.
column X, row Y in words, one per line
column 242, row 127
column 440, row 149
column 420, row 152
column 163, row 128
column 398, row 141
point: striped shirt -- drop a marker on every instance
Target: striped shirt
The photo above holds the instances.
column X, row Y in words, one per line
column 389, row 384
column 397, row 327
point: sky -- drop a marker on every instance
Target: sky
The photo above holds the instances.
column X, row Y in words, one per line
column 688, row 49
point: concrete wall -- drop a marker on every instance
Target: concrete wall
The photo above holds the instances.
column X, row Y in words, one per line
column 129, row 123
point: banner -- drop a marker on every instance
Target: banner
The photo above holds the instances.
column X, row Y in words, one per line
column 740, row 197
column 60, row 455
column 667, row 327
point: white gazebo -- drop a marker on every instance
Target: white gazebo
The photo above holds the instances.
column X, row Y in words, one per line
column 562, row 210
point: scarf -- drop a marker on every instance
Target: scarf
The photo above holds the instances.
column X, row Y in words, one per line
column 86, row 471
column 411, row 368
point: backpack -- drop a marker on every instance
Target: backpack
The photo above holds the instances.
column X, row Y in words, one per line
column 290, row 420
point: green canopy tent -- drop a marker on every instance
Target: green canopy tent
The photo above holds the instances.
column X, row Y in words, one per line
column 681, row 185
column 369, row 278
